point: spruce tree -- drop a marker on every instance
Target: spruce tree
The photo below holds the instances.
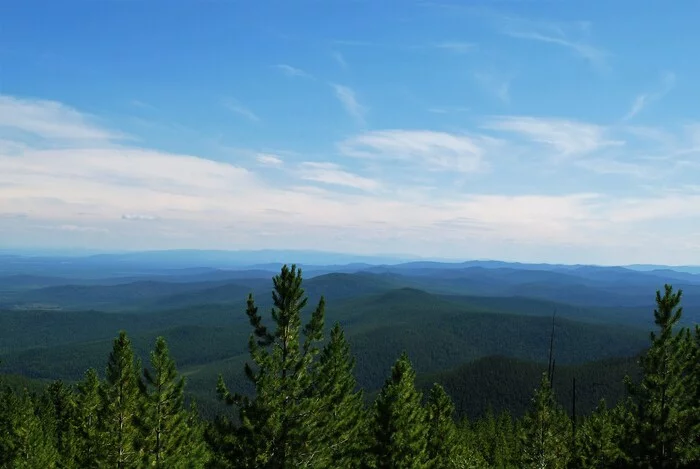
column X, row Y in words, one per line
column 546, row 430
column 119, row 405
column 442, row 445
column 88, row 435
column 340, row 418
column 163, row 420
column 276, row 429
column 399, row 427
column 661, row 402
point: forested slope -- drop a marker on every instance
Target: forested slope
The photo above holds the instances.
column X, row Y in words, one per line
column 302, row 406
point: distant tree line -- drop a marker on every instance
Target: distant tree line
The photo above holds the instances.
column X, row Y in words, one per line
column 306, row 410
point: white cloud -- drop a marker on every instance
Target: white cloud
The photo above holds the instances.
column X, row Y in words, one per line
column 643, row 100
column 570, row 35
column 77, row 228
column 141, row 104
column 292, row 71
column 338, row 57
column 333, row 174
column 448, row 109
column 568, row 137
column 496, row 85
column 348, row 99
column 456, row 46
column 84, row 194
column 234, row 106
column 433, row 151
column 267, row 159
column 50, row 120
column 609, row 166
column 138, row 217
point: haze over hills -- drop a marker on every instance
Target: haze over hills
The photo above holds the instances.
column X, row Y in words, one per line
column 59, row 314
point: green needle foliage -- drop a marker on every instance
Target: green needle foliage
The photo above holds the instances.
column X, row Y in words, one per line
column 63, row 411
column 399, row 428
column 546, row 431
column 663, row 404
column 304, row 410
column 163, row 420
column 341, row 419
column 89, row 435
column 120, row 404
column 276, row 428
column 442, row 447
column 598, row 440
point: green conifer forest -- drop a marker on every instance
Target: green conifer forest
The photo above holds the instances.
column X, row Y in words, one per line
column 301, row 407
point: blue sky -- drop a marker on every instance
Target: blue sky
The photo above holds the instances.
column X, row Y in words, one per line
column 518, row 130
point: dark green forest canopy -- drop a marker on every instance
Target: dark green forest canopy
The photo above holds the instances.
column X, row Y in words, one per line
column 300, row 396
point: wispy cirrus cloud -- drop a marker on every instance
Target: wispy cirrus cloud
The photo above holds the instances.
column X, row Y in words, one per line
column 568, row 137
column 293, row 71
column 333, row 174
column 89, row 193
column 457, row 47
column 267, row 159
column 348, row 99
column 236, row 107
column 448, row 109
column 340, row 59
column 495, row 84
column 432, row 151
column 45, row 119
column 573, row 36
column 139, row 217
column 641, row 101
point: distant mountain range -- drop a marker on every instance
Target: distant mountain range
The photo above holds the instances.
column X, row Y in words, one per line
column 142, row 261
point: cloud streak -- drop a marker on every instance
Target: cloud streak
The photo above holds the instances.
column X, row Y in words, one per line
column 333, row 174
column 456, row 47
column 640, row 102
column 235, row 107
column 571, row 36
column 431, row 151
column 567, row 137
column 267, row 159
column 107, row 193
column 290, row 71
column 348, row 99
column 340, row 60
column 498, row 86
column 51, row 120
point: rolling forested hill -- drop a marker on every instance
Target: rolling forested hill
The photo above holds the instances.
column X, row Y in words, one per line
column 469, row 325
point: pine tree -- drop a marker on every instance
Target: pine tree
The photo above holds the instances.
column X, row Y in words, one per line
column 341, row 418
column 691, row 444
column 88, row 436
column 497, row 440
column 163, row 420
column 275, row 429
column 661, row 402
column 399, row 424
column 442, row 445
column 546, row 431
column 196, row 450
column 64, row 412
column 119, row 405
column 27, row 438
column 598, row 440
